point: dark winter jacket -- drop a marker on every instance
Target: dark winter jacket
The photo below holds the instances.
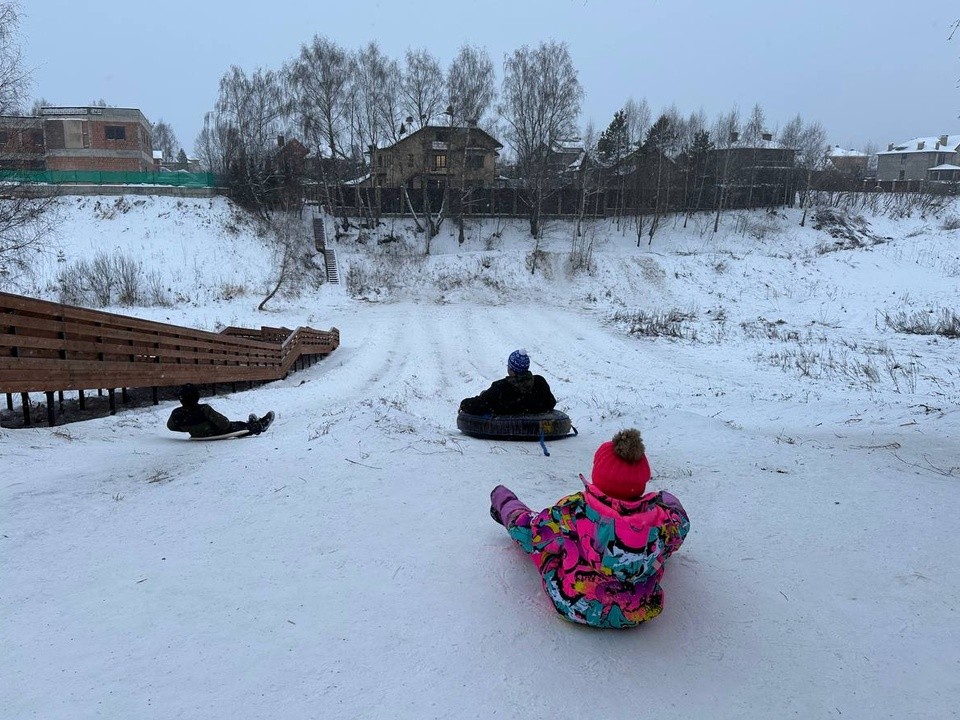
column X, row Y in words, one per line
column 199, row 420
column 521, row 394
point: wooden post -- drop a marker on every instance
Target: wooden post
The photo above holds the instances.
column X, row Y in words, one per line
column 60, row 398
column 10, row 401
column 82, row 399
column 51, row 414
column 155, row 395
column 124, row 398
column 112, row 395
column 25, row 404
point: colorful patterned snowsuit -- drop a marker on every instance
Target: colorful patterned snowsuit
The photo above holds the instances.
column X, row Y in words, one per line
column 601, row 559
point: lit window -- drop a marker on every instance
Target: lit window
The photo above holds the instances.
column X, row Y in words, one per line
column 439, row 162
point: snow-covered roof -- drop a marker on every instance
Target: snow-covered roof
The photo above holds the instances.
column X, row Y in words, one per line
column 837, row 151
column 568, row 146
column 945, row 166
column 359, row 180
column 925, row 144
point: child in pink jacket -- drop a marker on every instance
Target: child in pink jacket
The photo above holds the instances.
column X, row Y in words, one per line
column 601, row 551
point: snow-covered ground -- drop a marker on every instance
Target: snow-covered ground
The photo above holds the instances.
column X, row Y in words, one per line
column 344, row 564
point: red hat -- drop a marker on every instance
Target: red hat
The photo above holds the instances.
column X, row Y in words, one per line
column 620, row 467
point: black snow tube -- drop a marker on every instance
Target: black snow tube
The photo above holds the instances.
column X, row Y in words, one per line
column 552, row 425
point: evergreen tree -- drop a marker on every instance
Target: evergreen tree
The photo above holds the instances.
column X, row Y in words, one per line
column 699, row 149
column 661, row 137
column 696, row 163
column 182, row 163
column 613, row 143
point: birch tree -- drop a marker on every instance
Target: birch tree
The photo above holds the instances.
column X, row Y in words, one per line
column 812, row 156
column 250, row 113
column 14, row 77
column 540, row 103
column 164, row 139
column 471, row 86
column 637, row 114
column 422, row 88
column 25, row 222
column 726, row 133
column 319, row 79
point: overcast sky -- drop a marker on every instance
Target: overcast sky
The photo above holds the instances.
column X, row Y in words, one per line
column 868, row 70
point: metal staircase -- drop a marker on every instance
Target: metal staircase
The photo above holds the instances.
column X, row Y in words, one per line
column 329, row 254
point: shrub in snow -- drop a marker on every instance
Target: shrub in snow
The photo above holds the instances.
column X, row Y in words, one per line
column 945, row 323
column 106, row 280
column 951, row 222
column 665, row 323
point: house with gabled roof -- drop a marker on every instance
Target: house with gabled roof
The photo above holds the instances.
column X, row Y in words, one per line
column 913, row 159
column 437, row 156
column 851, row 163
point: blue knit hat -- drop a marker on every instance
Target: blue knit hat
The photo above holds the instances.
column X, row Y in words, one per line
column 519, row 361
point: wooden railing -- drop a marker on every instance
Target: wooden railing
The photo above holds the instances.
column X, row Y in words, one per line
column 48, row 347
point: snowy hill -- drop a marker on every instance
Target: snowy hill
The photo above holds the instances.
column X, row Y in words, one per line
column 344, row 563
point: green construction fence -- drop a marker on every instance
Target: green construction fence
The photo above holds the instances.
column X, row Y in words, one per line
column 94, row 177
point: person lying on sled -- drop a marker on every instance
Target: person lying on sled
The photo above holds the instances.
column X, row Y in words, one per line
column 519, row 393
column 202, row 421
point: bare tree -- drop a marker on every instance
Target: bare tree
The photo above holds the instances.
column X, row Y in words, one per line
column 871, row 149
column 540, row 104
column 320, row 78
column 754, row 126
column 470, row 85
column 637, row 114
column 752, row 138
column 25, row 222
column 217, row 145
column 812, row 156
column 374, row 109
column 250, row 115
column 422, row 88
column 726, row 134
column 38, row 105
column 375, row 96
column 286, row 234
column 14, row 77
column 165, row 140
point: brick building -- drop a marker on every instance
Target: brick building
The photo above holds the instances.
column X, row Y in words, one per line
column 97, row 138
column 21, row 143
column 77, row 138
